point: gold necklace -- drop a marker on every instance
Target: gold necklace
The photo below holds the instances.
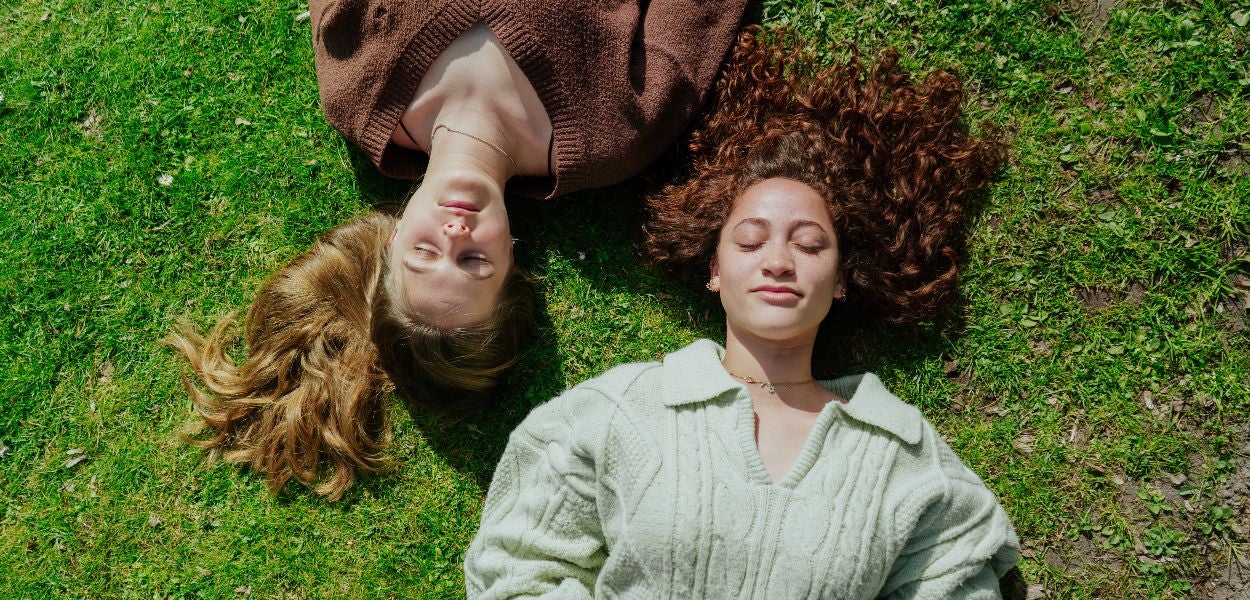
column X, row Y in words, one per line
column 770, row 387
column 497, row 148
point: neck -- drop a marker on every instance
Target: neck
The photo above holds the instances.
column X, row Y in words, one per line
column 469, row 140
column 770, row 360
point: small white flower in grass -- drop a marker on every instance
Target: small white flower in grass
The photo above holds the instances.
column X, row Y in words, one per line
column 165, row 179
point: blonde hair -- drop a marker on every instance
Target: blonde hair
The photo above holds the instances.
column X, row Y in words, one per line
column 325, row 346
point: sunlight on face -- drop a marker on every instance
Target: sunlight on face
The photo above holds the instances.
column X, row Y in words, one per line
column 451, row 251
column 776, row 261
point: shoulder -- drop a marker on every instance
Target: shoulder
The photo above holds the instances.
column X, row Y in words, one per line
column 924, row 460
column 871, row 404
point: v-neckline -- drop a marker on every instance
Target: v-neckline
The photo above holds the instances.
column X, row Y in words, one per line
column 807, row 455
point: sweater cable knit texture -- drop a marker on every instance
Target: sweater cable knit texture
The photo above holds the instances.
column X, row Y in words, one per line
column 646, row 483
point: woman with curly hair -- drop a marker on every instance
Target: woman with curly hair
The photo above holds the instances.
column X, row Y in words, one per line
column 471, row 97
column 729, row 471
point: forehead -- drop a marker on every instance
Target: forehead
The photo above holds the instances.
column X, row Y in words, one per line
column 781, row 200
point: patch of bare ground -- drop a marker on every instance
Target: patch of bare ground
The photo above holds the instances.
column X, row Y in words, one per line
column 1203, row 112
column 1093, row 15
column 1103, row 196
column 1234, row 160
column 1075, row 555
column 1235, row 308
column 1226, row 560
column 90, row 125
column 1096, row 297
column 1083, row 559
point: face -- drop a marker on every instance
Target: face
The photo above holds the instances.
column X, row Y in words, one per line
column 452, row 250
column 776, row 263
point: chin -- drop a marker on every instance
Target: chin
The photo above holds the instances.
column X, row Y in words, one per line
column 775, row 331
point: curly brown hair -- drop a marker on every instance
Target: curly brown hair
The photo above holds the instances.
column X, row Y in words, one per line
column 890, row 157
column 325, row 345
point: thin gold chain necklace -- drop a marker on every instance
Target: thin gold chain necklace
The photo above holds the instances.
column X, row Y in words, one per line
column 768, row 386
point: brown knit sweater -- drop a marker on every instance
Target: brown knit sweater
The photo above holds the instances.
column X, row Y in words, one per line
column 620, row 79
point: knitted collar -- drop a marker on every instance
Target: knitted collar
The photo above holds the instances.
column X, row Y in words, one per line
column 694, row 374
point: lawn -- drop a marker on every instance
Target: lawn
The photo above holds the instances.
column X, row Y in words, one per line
column 159, row 159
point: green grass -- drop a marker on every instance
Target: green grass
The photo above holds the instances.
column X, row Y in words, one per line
column 1096, row 372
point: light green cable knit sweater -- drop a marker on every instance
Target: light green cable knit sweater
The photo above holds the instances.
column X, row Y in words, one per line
column 646, row 483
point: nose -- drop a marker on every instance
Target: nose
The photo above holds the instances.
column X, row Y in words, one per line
column 778, row 261
column 455, row 229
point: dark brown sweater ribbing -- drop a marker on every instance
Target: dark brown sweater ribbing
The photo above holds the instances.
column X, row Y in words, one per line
column 619, row 81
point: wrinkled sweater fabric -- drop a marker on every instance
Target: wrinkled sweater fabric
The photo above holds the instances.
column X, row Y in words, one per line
column 646, row 483
column 620, row 80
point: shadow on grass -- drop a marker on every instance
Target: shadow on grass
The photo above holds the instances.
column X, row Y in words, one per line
column 599, row 233
column 472, row 446
column 383, row 193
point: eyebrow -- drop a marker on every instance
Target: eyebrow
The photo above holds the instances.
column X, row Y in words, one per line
column 759, row 222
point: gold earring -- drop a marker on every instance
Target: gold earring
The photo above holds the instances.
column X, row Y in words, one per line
column 711, row 287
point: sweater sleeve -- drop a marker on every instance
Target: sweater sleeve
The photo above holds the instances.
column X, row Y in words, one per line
column 540, row 534
column 962, row 540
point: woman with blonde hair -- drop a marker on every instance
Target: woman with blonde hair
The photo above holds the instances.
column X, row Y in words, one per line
column 471, row 97
column 730, row 471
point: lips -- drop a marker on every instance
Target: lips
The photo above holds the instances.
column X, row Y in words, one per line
column 460, row 207
column 777, row 294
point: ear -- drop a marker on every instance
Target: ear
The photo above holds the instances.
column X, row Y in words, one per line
column 839, row 286
column 713, row 282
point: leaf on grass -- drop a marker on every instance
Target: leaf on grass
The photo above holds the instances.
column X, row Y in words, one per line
column 300, row 18
column 1240, row 18
column 3, row 449
column 1024, row 444
column 106, row 373
column 154, row 521
column 951, row 368
column 241, row 121
column 73, row 462
column 246, row 590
